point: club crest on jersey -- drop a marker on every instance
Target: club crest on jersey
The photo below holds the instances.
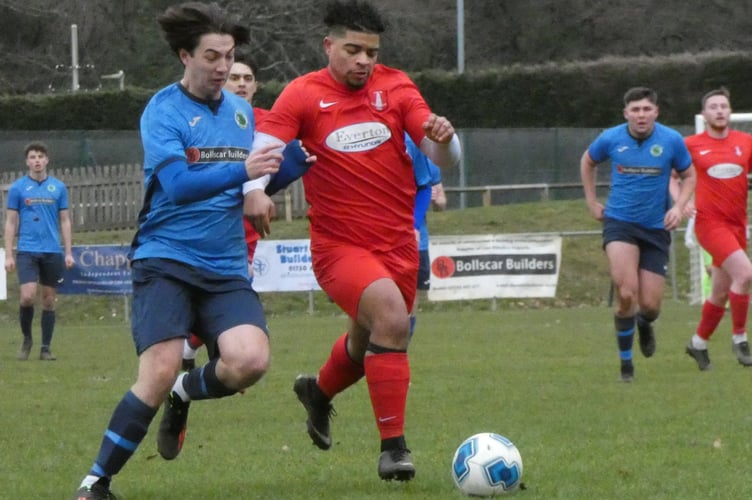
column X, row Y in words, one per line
column 656, row 150
column 51, row 188
column 241, row 119
column 378, row 100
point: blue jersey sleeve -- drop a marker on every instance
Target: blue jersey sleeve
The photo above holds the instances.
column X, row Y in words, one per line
column 422, row 202
column 184, row 185
column 421, row 163
column 292, row 168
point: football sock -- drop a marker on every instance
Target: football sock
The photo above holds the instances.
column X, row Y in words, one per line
column 710, row 317
column 699, row 342
column 25, row 317
column 739, row 305
column 194, row 341
column 127, row 427
column 48, row 326
column 625, row 336
column 340, row 371
column 388, row 377
column 202, row 383
column 188, row 351
column 413, row 320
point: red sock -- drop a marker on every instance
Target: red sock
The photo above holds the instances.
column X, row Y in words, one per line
column 710, row 317
column 388, row 377
column 739, row 305
column 194, row 341
column 340, row 371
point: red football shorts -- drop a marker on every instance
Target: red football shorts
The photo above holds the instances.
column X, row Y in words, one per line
column 344, row 271
column 720, row 239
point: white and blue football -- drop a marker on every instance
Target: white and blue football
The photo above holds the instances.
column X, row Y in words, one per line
column 487, row 464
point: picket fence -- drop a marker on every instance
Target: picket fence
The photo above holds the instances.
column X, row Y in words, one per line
column 109, row 197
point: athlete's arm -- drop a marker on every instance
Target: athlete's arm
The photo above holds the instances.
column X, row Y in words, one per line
column 65, row 231
column 187, row 186
column 441, row 144
column 296, row 162
column 587, row 174
column 11, row 225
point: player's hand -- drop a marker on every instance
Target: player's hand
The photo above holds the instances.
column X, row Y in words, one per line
column 689, row 209
column 10, row 263
column 260, row 210
column 672, row 219
column 596, row 209
column 263, row 161
column 438, row 129
column 69, row 261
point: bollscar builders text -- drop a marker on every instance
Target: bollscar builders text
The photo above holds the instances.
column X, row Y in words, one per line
column 477, row 265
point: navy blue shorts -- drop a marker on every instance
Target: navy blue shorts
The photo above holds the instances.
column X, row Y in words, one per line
column 653, row 243
column 46, row 268
column 172, row 299
column 424, row 271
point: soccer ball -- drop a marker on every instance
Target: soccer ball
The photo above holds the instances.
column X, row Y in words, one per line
column 487, row 464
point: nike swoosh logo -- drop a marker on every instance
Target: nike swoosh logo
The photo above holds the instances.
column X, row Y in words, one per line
column 622, row 149
column 386, row 419
column 324, row 105
column 194, row 121
column 704, row 152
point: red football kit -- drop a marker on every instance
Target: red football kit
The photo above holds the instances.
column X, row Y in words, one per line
column 361, row 190
column 722, row 166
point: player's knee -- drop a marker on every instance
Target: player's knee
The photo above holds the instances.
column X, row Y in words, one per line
column 249, row 369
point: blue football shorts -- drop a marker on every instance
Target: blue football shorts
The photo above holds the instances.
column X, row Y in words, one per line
column 47, row 269
column 172, row 299
column 653, row 243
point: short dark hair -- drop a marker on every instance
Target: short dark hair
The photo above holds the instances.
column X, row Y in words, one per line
column 35, row 146
column 353, row 15
column 719, row 91
column 639, row 93
column 243, row 57
column 183, row 25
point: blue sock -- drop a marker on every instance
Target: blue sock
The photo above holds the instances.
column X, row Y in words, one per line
column 625, row 328
column 413, row 320
column 25, row 317
column 202, row 383
column 48, row 326
column 127, row 427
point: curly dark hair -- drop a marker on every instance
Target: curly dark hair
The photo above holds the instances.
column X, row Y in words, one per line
column 183, row 25
column 354, row 15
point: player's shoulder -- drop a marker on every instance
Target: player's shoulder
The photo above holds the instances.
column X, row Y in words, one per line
column 664, row 130
column 389, row 76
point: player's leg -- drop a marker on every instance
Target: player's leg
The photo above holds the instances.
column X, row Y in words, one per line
column 27, row 267
column 721, row 242
column 190, row 349
column 51, row 275
column 230, row 316
column 738, row 267
column 156, row 326
column 623, row 261
column 383, row 312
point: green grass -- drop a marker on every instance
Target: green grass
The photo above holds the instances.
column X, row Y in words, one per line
column 547, row 379
column 541, row 371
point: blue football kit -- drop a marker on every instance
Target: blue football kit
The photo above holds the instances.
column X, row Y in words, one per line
column 640, row 172
column 38, row 205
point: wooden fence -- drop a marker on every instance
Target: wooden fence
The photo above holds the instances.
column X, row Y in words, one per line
column 106, row 198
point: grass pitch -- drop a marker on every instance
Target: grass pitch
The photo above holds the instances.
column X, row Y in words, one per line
column 547, row 379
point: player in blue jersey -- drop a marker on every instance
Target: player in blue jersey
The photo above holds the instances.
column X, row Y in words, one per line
column 189, row 258
column 430, row 193
column 639, row 215
column 37, row 211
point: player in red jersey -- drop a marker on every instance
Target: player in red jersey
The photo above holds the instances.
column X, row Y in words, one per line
column 722, row 158
column 352, row 116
